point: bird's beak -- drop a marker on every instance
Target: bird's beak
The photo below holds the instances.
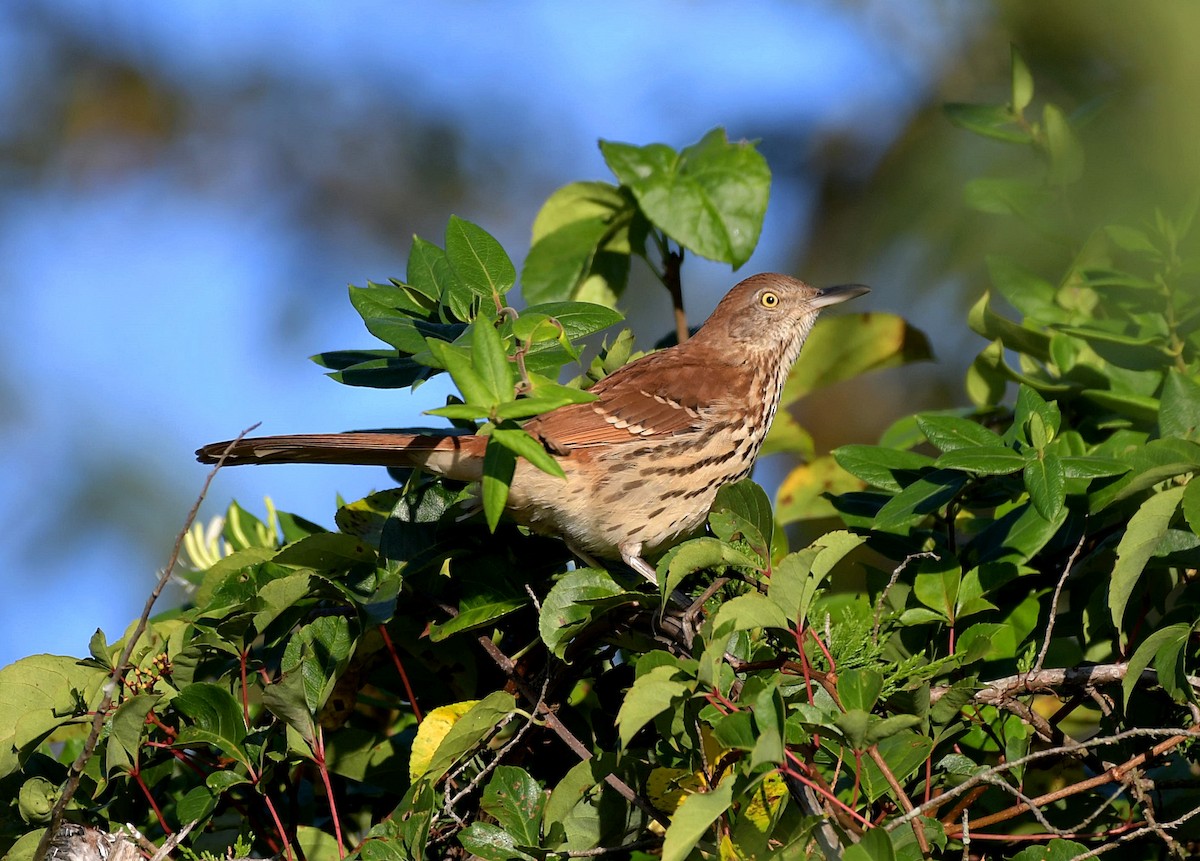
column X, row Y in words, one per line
column 840, row 293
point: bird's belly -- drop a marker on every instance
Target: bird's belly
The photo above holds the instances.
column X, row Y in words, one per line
column 652, row 494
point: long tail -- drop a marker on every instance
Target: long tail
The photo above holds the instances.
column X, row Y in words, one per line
column 456, row 456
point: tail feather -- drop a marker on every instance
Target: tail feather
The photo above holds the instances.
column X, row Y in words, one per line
column 455, row 456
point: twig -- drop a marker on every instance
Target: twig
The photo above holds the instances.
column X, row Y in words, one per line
column 672, row 260
column 929, row 554
column 1133, row 835
column 1041, row 658
column 174, row 840
column 1175, row 735
column 499, row 757
column 560, row 729
column 121, row 666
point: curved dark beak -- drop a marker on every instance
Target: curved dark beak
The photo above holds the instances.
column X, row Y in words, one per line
column 840, row 293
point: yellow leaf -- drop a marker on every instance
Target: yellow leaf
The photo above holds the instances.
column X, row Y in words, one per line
column 801, row 496
column 668, row 786
column 430, row 733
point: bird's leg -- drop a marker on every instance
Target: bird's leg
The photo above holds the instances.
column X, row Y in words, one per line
column 631, row 554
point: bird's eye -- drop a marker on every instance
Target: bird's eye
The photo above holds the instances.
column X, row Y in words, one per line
column 769, row 299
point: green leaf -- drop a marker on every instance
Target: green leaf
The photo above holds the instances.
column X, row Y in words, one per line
column 937, row 584
column 1164, row 647
column 984, row 460
column 478, row 260
column 429, row 272
column 1006, row 196
column 1066, row 155
column 499, row 464
column 752, row 610
column 696, row 555
column 1146, row 528
column 1022, row 82
column 1191, row 504
column 469, row 731
column 578, row 319
column 923, row 497
column 1033, row 411
column 477, row 610
column 516, row 801
column 1091, row 466
column 490, row 361
column 475, row 389
column 710, row 197
column 319, row 652
column 1056, row 850
column 519, row 441
column 575, row 601
column 747, row 512
column 950, row 433
column 695, row 815
column 651, row 695
column 1154, row 462
column 42, row 693
column 490, row 842
column 798, row 576
column 992, row 121
column 903, row 751
column 874, row 845
column 1046, row 482
column 1030, row 294
column 1179, row 409
column 859, row 688
column 879, row 465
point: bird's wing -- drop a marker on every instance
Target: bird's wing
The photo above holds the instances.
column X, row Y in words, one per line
column 657, row 396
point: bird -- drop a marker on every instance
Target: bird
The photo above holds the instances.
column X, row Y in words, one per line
column 644, row 460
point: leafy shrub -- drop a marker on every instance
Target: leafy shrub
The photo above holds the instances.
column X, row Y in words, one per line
column 424, row 684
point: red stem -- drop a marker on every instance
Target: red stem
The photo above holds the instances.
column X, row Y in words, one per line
column 137, row 776
column 319, row 754
column 412, row 698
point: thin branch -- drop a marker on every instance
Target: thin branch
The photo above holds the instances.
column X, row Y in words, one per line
column 122, row 665
column 929, row 554
column 672, row 261
column 1041, row 658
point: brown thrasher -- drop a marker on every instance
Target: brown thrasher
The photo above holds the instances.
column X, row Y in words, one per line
column 643, row 462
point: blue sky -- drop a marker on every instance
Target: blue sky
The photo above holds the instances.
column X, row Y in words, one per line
column 172, row 298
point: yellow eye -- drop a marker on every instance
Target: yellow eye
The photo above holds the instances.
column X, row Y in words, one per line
column 769, row 299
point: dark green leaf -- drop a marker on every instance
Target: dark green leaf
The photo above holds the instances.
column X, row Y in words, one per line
column 880, row 466
column 697, row 555
column 575, row 601
column 1046, row 482
column 984, row 460
column 1163, row 646
column 516, row 801
column 923, row 497
column 859, row 688
column 1143, row 533
column 651, row 695
column 949, row 433
column 1179, row 410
